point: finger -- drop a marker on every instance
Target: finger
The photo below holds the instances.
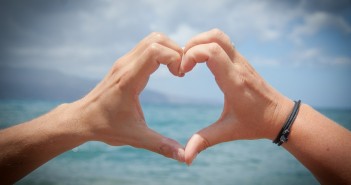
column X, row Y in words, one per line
column 213, row 36
column 159, row 38
column 155, row 142
column 207, row 137
column 195, row 145
column 156, row 54
column 216, row 58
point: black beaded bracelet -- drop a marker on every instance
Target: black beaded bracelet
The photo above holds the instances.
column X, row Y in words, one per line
column 285, row 131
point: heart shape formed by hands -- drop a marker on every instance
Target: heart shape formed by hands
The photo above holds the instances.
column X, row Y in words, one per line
column 250, row 104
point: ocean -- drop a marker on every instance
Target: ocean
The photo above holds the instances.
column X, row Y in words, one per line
column 239, row 162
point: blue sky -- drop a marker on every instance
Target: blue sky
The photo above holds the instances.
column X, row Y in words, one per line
column 302, row 48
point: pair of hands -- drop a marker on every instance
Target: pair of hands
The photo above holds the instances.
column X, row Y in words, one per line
column 111, row 112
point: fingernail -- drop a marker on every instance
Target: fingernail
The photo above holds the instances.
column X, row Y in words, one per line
column 179, row 155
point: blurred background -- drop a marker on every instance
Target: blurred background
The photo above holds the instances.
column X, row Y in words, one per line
column 56, row 51
column 60, row 49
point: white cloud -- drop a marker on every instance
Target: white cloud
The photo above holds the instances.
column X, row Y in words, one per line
column 92, row 34
column 244, row 19
column 60, row 52
column 308, row 54
column 313, row 22
column 85, row 38
column 78, row 60
column 164, row 9
column 319, row 58
column 183, row 33
column 301, row 58
column 248, row 19
column 265, row 62
column 342, row 61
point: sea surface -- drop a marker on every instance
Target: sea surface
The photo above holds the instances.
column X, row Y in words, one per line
column 239, row 162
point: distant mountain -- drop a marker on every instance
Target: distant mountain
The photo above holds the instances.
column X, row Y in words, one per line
column 39, row 84
column 154, row 97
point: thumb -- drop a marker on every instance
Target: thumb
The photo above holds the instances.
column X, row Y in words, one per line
column 155, row 142
column 209, row 136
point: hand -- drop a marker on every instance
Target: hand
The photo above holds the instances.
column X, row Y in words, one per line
column 111, row 112
column 252, row 108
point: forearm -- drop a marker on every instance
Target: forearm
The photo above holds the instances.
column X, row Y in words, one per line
column 323, row 146
column 27, row 146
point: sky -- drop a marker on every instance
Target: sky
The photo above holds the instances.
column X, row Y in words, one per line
column 302, row 47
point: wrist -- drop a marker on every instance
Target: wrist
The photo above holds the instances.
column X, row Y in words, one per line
column 282, row 109
column 89, row 120
column 72, row 123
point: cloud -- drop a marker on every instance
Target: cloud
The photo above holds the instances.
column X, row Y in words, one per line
column 247, row 20
column 75, row 36
column 265, row 62
column 342, row 61
column 304, row 57
column 314, row 22
column 183, row 33
column 84, row 38
column 71, row 37
column 330, row 6
column 318, row 57
column 241, row 19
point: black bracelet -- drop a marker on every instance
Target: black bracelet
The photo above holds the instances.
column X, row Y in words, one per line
column 285, row 131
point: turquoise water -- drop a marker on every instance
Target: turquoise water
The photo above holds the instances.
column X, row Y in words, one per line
column 239, row 162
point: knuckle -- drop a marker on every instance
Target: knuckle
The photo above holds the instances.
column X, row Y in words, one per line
column 154, row 34
column 220, row 35
column 217, row 32
column 165, row 148
column 152, row 49
column 214, row 49
column 122, row 81
column 205, row 144
column 157, row 37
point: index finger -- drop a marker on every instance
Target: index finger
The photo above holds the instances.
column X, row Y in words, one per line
column 213, row 36
column 159, row 38
column 216, row 58
column 155, row 142
column 156, row 54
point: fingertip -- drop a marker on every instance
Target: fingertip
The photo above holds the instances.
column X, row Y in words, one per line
column 189, row 159
column 173, row 151
column 174, row 65
column 162, row 145
column 195, row 145
column 181, row 155
column 181, row 66
column 187, row 64
column 185, row 49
